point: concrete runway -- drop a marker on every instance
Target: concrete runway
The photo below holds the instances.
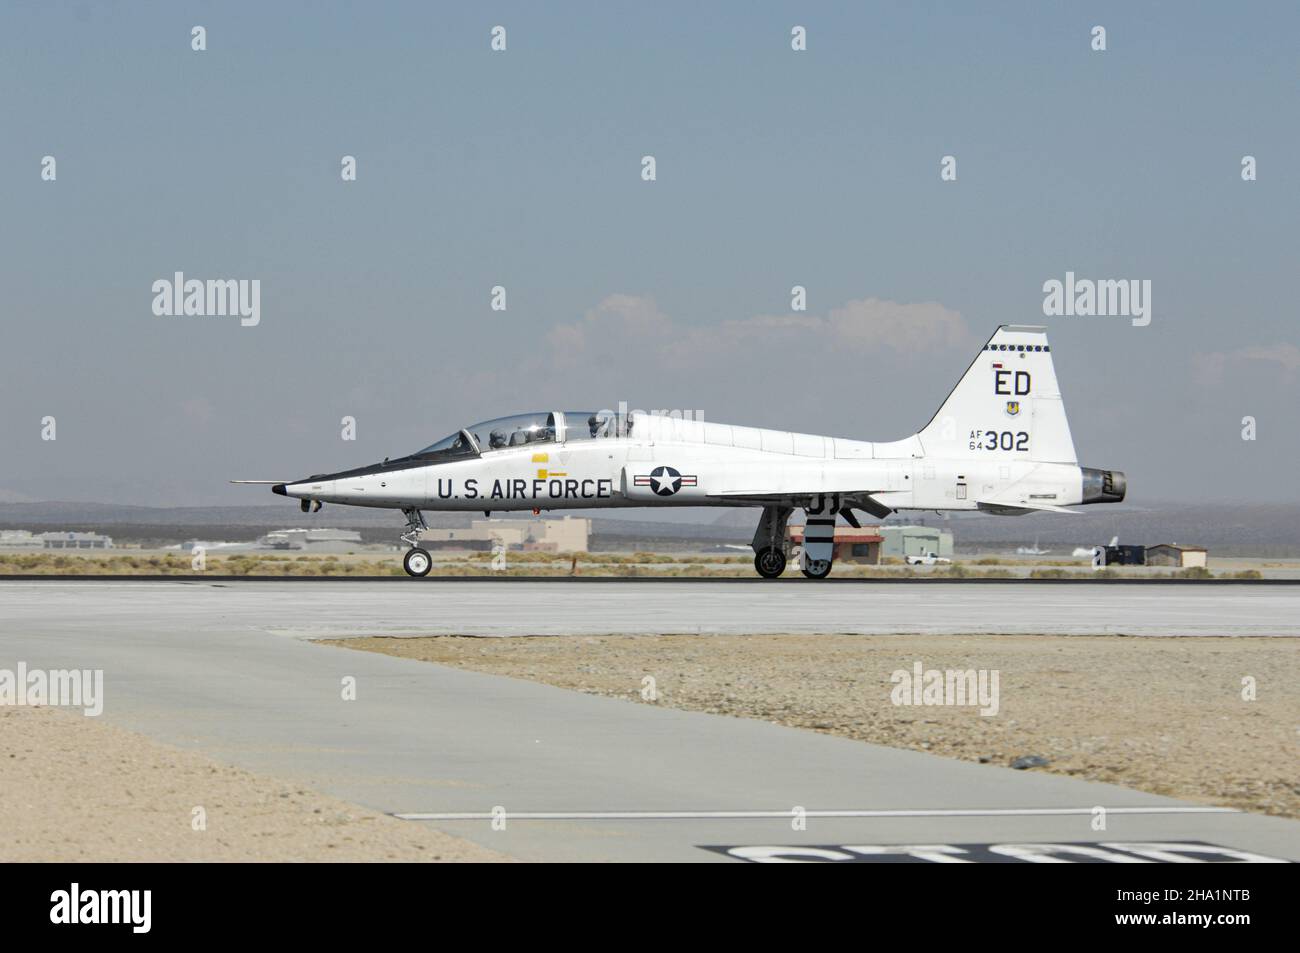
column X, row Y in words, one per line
column 327, row 609
column 207, row 667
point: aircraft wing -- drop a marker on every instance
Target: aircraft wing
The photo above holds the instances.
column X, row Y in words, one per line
column 793, row 484
column 1020, row 509
column 855, row 499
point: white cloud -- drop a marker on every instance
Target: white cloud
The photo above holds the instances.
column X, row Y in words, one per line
column 628, row 326
column 1210, row 366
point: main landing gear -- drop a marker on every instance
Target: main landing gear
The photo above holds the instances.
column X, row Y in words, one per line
column 816, row 568
column 819, row 536
column 770, row 562
column 817, row 553
column 417, row 562
column 769, row 541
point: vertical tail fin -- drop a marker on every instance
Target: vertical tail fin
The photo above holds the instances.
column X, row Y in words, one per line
column 1006, row 406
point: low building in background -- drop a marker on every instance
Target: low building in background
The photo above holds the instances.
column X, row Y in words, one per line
column 215, row 546
column 1173, row 554
column 312, row 540
column 20, row 539
column 77, row 541
column 850, row 545
column 569, row 534
column 480, row 534
column 1126, row 556
column 915, row 541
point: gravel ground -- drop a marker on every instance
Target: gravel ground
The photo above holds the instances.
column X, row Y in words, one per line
column 76, row 789
column 1161, row 715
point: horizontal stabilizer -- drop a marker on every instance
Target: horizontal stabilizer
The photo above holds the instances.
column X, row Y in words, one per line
column 873, row 506
column 261, row 482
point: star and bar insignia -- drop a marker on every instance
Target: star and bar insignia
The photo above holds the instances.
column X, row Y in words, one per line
column 665, row 481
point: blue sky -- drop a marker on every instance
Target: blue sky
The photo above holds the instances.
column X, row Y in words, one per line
column 522, row 169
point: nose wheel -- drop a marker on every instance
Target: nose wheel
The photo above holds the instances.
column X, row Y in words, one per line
column 770, row 562
column 417, row 562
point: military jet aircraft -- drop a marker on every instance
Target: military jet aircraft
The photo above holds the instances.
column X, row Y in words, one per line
column 999, row 444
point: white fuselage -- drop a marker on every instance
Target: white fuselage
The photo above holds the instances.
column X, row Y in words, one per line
column 675, row 462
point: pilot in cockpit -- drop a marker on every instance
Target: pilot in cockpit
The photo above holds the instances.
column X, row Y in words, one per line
column 496, row 439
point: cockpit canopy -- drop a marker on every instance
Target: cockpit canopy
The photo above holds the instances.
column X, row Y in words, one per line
column 528, row 429
column 595, row 424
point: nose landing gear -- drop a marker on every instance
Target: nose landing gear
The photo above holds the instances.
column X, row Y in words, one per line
column 417, row 562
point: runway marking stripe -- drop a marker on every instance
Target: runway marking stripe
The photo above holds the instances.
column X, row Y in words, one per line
column 1071, row 852
column 742, row 815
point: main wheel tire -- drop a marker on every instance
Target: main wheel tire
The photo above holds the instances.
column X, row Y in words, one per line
column 817, row 568
column 417, row 562
column 769, row 562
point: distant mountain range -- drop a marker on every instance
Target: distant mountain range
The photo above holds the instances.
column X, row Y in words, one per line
column 18, row 515
column 1256, row 529
column 166, row 525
